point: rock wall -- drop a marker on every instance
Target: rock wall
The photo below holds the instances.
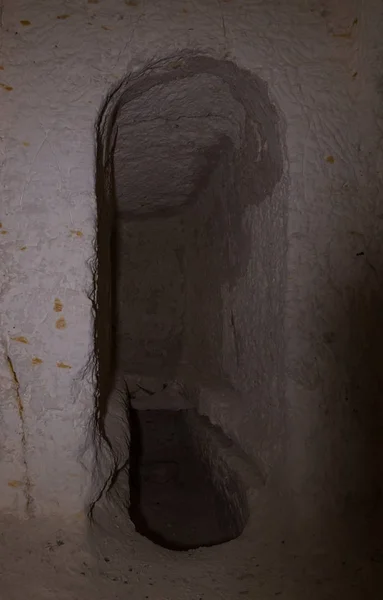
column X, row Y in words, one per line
column 320, row 63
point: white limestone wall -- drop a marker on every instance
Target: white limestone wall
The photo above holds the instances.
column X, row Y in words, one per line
column 58, row 60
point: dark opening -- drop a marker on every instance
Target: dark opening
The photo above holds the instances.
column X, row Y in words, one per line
column 174, row 501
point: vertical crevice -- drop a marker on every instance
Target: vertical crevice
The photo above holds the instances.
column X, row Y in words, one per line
column 27, row 486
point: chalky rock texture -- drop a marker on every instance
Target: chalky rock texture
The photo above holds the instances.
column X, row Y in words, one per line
column 280, row 117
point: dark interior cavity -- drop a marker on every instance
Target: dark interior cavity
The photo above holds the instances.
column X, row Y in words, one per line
column 188, row 158
column 174, row 499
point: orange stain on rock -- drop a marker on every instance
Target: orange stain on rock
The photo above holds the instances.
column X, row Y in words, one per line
column 25, row 22
column 58, row 305
column 1, row 68
column 344, row 36
column 15, row 483
column 62, row 17
column 26, row 144
column 7, row 88
column 36, row 360
column 4, row 231
column 20, row 338
column 23, row 248
column 62, row 365
column 61, row 323
column 77, row 232
column 330, row 159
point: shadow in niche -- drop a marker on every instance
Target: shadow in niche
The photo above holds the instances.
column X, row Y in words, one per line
column 104, row 266
column 134, row 473
column 357, row 333
column 174, row 500
column 244, row 160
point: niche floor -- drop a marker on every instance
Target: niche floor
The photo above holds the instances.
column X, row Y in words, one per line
column 173, row 499
column 43, row 559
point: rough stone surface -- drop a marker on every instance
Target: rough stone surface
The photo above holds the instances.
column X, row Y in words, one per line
column 52, row 560
column 204, row 290
column 319, row 61
column 166, row 138
column 150, row 305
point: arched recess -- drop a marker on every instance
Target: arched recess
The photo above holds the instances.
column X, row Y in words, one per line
column 191, row 247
